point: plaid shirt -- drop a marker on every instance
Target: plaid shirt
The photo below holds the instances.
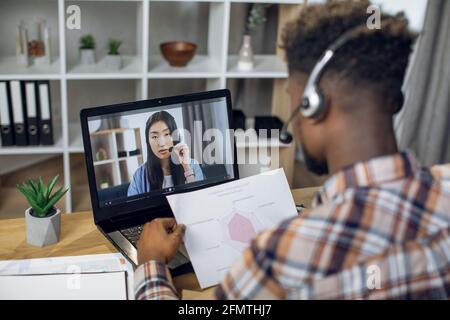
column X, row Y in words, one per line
column 377, row 229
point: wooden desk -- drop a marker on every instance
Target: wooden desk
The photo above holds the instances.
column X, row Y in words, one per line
column 79, row 236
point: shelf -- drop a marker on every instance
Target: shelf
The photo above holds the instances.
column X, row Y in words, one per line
column 10, row 70
column 216, row 26
column 132, row 69
column 99, row 163
column 201, row 66
column 18, row 150
column 266, row 66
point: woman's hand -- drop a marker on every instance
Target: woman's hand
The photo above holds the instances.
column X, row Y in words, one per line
column 183, row 154
column 159, row 240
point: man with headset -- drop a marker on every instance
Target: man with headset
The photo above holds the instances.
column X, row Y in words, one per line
column 379, row 228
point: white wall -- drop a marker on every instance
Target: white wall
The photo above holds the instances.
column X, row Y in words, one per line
column 414, row 10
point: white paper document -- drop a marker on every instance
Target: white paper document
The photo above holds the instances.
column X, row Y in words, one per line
column 106, row 272
column 222, row 220
column 84, row 286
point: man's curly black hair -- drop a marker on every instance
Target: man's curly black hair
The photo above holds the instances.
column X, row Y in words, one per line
column 377, row 57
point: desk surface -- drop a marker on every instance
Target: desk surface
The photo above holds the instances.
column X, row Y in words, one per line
column 79, row 236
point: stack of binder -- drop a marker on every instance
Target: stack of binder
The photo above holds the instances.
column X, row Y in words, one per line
column 25, row 113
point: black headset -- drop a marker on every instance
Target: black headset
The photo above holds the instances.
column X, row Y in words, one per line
column 313, row 103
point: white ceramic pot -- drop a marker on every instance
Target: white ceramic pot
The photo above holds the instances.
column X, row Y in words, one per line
column 113, row 61
column 87, row 57
column 43, row 231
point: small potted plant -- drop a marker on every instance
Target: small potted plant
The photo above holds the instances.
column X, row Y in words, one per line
column 43, row 219
column 256, row 16
column 104, row 184
column 114, row 59
column 87, row 50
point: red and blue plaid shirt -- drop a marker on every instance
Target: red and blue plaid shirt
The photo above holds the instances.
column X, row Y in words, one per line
column 377, row 229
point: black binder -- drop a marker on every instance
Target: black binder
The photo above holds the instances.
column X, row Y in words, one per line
column 18, row 113
column 32, row 104
column 45, row 118
column 6, row 122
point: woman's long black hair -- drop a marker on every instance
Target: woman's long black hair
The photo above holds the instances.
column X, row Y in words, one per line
column 154, row 169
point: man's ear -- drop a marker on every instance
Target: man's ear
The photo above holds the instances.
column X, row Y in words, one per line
column 396, row 104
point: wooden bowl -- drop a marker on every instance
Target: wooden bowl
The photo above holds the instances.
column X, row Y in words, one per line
column 178, row 53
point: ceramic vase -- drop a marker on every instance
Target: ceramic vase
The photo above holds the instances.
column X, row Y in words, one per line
column 246, row 57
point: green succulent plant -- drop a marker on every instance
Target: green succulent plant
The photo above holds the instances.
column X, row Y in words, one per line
column 87, row 42
column 256, row 16
column 113, row 46
column 40, row 196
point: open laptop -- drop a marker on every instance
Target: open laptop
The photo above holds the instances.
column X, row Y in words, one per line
column 134, row 159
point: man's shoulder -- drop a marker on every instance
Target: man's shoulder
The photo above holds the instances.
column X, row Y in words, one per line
column 306, row 227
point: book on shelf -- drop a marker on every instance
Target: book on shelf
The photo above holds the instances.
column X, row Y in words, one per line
column 125, row 153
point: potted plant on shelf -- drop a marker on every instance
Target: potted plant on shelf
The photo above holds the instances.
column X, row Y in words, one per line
column 104, row 184
column 114, row 59
column 87, row 49
column 43, row 219
column 256, row 16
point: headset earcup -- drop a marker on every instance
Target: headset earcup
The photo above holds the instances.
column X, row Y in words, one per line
column 313, row 103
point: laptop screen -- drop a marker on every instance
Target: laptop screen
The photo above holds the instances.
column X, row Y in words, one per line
column 155, row 151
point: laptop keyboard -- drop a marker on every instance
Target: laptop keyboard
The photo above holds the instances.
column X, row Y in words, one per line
column 132, row 234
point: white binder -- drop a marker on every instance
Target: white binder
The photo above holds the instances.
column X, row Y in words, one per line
column 6, row 126
column 32, row 113
column 18, row 113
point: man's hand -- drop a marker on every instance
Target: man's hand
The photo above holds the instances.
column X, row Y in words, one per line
column 159, row 240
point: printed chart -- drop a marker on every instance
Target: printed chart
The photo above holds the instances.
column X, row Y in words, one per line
column 221, row 221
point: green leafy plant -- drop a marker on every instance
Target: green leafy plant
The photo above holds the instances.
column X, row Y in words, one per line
column 40, row 196
column 256, row 16
column 87, row 42
column 113, row 46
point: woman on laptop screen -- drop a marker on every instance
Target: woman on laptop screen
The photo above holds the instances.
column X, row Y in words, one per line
column 160, row 171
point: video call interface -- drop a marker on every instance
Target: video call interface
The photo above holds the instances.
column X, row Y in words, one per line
column 147, row 152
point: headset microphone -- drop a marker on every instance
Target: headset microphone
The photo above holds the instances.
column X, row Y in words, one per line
column 313, row 102
column 175, row 142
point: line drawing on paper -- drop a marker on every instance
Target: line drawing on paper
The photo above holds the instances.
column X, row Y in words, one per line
column 239, row 228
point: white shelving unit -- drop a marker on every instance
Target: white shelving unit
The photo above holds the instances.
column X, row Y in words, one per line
column 135, row 22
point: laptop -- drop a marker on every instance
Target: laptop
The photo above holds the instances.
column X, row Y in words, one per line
column 139, row 152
